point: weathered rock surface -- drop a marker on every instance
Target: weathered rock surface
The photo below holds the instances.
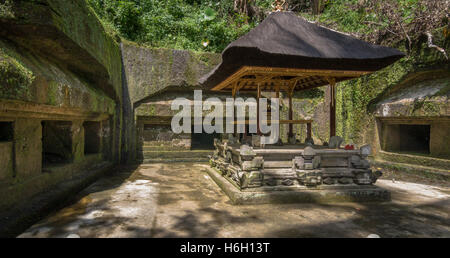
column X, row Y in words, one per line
column 149, row 71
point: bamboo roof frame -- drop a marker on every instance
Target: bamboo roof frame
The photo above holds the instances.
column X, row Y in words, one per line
column 249, row 78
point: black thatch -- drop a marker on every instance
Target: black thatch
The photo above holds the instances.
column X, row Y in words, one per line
column 285, row 40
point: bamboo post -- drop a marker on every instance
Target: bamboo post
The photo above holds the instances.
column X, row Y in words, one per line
column 332, row 91
column 233, row 93
column 258, row 96
column 308, row 131
column 278, row 97
column 291, row 114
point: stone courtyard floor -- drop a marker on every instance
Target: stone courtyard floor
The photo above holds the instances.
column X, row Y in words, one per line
column 180, row 200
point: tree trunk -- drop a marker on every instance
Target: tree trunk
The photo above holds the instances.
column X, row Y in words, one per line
column 241, row 6
column 317, row 6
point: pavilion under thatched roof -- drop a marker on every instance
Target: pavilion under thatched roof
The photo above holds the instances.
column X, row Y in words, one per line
column 288, row 53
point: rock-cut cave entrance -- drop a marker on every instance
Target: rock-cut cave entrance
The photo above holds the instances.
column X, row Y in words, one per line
column 56, row 142
column 92, row 137
column 203, row 140
column 407, row 138
column 6, row 131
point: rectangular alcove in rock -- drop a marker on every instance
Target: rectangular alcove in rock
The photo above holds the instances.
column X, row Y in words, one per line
column 92, row 137
column 56, row 142
column 6, row 149
column 6, row 131
column 418, row 137
column 203, row 140
column 407, row 138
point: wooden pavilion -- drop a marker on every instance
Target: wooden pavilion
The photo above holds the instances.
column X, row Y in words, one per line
column 286, row 53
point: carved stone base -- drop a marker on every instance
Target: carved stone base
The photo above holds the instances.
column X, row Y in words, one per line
column 298, row 193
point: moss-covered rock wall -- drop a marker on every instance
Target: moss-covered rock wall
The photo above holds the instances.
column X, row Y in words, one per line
column 57, row 63
column 307, row 105
column 150, row 71
column 358, row 100
column 58, row 60
column 73, row 60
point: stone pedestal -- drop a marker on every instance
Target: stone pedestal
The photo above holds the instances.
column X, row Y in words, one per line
column 294, row 173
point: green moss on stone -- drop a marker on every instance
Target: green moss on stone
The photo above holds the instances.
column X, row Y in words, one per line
column 15, row 79
column 190, row 72
column 207, row 59
column 356, row 99
column 52, row 93
column 84, row 28
column 431, row 108
column 6, row 9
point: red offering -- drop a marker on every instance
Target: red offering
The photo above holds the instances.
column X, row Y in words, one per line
column 349, row 147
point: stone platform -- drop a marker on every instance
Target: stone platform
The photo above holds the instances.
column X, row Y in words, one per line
column 299, row 194
column 285, row 173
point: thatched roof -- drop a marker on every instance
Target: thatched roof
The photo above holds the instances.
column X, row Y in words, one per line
column 288, row 47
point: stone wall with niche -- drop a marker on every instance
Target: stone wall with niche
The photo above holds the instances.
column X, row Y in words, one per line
column 58, row 69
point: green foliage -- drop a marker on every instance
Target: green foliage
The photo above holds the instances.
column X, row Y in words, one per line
column 6, row 10
column 384, row 21
column 354, row 98
column 210, row 25
column 310, row 94
column 14, row 77
column 203, row 25
column 346, row 18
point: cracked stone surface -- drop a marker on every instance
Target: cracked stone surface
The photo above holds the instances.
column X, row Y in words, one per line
column 180, row 200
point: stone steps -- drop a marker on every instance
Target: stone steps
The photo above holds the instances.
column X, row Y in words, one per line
column 154, row 144
column 414, row 159
column 165, row 160
column 173, row 155
column 162, row 148
column 423, row 171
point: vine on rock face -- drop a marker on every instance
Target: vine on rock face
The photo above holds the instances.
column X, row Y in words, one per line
column 431, row 45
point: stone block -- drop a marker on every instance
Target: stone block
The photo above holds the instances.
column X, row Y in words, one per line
column 316, row 162
column 357, row 162
column 310, row 179
column 329, row 181
column 440, row 140
column 6, row 160
column 308, row 165
column 345, row 180
column 309, row 141
column 246, row 150
column 255, row 164
column 27, row 137
column 256, row 140
column 78, row 132
column 251, row 179
column 335, row 142
column 366, row 150
column 309, row 152
column 298, row 162
column 298, row 194
column 363, row 178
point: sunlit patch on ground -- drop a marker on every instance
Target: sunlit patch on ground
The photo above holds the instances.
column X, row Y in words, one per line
column 180, row 200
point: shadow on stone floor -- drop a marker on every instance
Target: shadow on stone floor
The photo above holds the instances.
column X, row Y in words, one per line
column 388, row 220
column 399, row 218
column 190, row 225
column 211, row 215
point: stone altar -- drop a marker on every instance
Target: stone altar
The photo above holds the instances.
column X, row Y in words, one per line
column 296, row 169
